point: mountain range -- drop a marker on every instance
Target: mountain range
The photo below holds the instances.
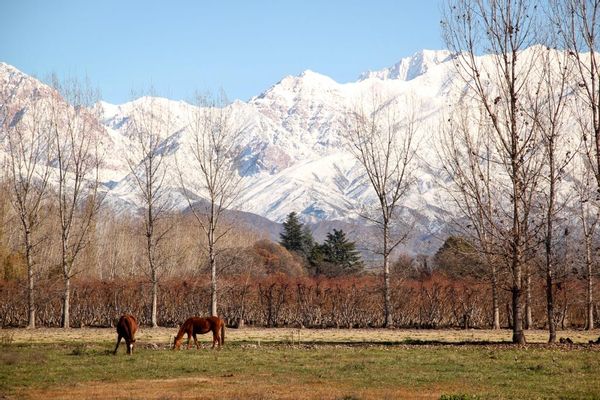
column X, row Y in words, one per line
column 294, row 158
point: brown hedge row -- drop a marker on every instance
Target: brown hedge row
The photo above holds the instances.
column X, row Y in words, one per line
column 279, row 300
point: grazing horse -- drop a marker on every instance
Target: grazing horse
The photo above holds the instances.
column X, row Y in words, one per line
column 126, row 328
column 194, row 325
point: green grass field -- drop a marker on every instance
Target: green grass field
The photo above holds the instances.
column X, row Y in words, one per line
column 292, row 364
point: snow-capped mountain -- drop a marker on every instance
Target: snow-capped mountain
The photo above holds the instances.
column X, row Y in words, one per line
column 293, row 152
column 410, row 67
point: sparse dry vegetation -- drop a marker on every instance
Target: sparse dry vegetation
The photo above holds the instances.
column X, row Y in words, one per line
column 297, row 364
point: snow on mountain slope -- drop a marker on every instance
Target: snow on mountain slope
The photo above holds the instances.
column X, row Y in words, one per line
column 30, row 96
column 292, row 143
column 410, row 67
column 321, row 188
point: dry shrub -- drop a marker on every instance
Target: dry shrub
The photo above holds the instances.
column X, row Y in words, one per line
column 282, row 300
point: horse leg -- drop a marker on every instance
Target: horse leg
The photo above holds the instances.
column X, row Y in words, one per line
column 128, row 347
column 189, row 339
column 215, row 338
column 220, row 335
column 196, row 341
column 117, row 346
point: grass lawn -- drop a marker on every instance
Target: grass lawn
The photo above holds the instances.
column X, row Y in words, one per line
column 266, row 364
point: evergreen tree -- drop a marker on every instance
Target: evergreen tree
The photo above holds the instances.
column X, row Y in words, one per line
column 340, row 256
column 308, row 242
column 293, row 236
column 457, row 258
column 316, row 262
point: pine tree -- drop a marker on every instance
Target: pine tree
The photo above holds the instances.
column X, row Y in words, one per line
column 340, row 255
column 308, row 242
column 293, row 236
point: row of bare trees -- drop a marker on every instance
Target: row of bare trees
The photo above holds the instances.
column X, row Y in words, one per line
column 278, row 300
column 53, row 143
column 47, row 139
column 524, row 135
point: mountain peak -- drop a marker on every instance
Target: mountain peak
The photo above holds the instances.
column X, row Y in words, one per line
column 9, row 70
column 309, row 77
column 310, row 74
column 411, row 67
column 307, row 81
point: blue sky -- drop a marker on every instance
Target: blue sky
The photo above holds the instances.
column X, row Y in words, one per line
column 242, row 47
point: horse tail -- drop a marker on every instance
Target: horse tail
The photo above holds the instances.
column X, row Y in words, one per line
column 222, row 332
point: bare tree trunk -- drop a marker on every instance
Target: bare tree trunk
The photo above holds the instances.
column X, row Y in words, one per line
column 150, row 253
column 151, row 263
column 495, row 301
column 154, row 311
column 549, row 260
column 66, row 297
column 66, row 306
column 517, row 291
column 213, row 279
column 517, row 263
column 528, row 316
column 563, row 317
column 549, row 248
column 30, row 282
column 590, row 281
column 550, row 306
column 386, row 280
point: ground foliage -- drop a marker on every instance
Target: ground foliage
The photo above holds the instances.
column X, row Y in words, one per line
column 86, row 369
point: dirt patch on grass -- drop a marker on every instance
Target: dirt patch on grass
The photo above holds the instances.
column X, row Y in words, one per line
column 228, row 387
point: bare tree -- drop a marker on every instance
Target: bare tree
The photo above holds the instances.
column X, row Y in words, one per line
column 383, row 144
column 548, row 111
column 74, row 130
column 28, row 147
column 579, row 23
column 589, row 216
column 214, row 149
column 147, row 128
column 503, row 29
column 467, row 156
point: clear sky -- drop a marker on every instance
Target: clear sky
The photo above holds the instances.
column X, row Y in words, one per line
column 241, row 46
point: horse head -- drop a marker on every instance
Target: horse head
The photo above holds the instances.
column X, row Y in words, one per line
column 177, row 342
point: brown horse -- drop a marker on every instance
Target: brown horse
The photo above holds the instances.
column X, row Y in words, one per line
column 126, row 328
column 195, row 325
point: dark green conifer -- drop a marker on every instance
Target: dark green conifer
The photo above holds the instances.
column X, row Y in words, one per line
column 340, row 255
